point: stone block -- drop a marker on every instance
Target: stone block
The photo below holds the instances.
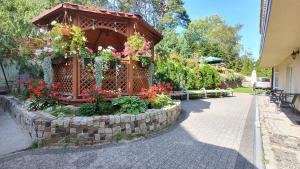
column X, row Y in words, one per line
column 73, row 130
column 97, row 137
column 108, row 130
column 117, row 119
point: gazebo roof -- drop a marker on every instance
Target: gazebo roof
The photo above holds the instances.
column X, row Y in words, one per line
column 47, row 16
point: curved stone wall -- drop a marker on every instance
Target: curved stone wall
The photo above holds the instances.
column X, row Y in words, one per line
column 50, row 130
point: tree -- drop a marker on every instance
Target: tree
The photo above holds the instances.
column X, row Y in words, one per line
column 212, row 36
column 161, row 14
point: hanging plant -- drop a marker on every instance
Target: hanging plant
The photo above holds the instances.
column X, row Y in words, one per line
column 136, row 47
column 86, row 53
column 145, row 61
column 98, row 71
column 66, row 40
column 47, row 69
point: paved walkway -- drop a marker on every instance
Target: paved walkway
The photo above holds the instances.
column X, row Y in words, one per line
column 208, row 136
column 281, row 135
column 12, row 137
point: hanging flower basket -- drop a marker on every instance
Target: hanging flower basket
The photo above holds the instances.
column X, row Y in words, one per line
column 65, row 31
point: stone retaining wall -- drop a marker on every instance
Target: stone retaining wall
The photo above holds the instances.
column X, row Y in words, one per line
column 50, row 130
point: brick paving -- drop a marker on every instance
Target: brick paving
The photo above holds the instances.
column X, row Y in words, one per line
column 281, row 135
column 208, row 136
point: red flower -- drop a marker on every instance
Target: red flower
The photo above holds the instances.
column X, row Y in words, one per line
column 30, row 87
column 94, row 87
column 42, row 83
column 84, row 92
column 101, row 91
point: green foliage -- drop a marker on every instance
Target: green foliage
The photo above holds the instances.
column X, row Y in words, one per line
column 91, row 109
column 194, row 75
column 231, row 76
column 62, row 111
column 262, row 72
column 67, row 45
column 247, row 64
column 130, row 104
column 161, row 101
column 41, row 104
column 159, row 13
column 145, row 61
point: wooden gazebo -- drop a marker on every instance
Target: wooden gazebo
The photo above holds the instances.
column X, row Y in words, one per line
column 101, row 28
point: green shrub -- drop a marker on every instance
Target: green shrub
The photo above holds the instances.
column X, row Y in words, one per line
column 62, row 111
column 231, row 76
column 161, row 101
column 130, row 104
column 90, row 109
column 189, row 71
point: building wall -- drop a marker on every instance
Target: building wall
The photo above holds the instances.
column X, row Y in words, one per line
column 284, row 80
column 11, row 73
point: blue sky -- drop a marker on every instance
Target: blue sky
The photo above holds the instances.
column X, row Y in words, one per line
column 245, row 12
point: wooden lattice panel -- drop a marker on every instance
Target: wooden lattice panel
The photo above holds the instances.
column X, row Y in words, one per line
column 89, row 23
column 140, row 78
column 87, row 75
column 115, row 80
column 62, row 73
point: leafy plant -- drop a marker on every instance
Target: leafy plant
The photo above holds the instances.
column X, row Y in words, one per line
column 86, row 53
column 130, row 104
column 91, row 109
column 97, row 105
column 109, row 54
column 62, row 111
column 66, row 45
column 145, row 61
column 161, row 101
column 136, row 46
column 40, row 95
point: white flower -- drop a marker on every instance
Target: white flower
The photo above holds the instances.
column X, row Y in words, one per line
column 38, row 52
column 42, row 30
column 110, row 47
column 84, row 39
column 100, row 48
column 53, row 22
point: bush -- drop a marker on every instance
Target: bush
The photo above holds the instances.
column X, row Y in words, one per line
column 193, row 75
column 40, row 95
column 130, row 104
column 161, row 101
column 91, row 109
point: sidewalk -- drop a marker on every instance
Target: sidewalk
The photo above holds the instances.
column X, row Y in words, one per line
column 280, row 134
column 12, row 137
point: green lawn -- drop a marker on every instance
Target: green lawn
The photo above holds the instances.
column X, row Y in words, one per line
column 243, row 90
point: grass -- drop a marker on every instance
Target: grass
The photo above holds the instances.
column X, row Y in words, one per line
column 243, row 90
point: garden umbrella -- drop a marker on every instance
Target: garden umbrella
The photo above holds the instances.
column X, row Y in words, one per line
column 211, row 59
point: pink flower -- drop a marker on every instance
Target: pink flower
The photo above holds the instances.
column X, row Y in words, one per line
column 89, row 49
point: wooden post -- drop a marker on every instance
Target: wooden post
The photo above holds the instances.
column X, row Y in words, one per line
column 130, row 77
column 75, row 81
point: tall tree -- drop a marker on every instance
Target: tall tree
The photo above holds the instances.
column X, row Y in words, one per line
column 161, row 14
column 212, row 36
